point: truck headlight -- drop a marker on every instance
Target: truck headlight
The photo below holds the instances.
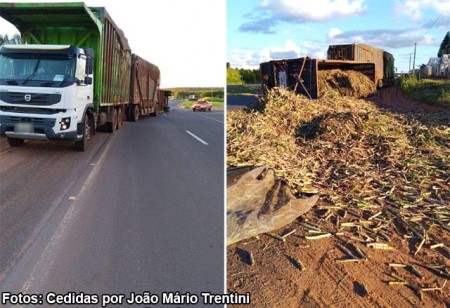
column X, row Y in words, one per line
column 64, row 124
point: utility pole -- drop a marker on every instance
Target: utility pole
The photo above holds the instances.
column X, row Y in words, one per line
column 409, row 67
column 414, row 61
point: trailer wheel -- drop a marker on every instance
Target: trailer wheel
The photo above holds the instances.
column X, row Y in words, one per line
column 119, row 118
column 15, row 142
column 111, row 126
column 81, row 145
column 380, row 83
column 134, row 113
column 155, row 113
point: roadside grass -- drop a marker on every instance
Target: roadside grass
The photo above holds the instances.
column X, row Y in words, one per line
column 430, row 91
column 246, row 89
column 217, row 103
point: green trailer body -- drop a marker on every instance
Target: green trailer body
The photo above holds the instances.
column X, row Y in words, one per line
column 85, row 27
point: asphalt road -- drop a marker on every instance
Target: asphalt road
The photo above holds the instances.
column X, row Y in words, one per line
column 141, row 210
column 241, row 101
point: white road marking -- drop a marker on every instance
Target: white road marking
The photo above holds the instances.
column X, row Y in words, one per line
column 210, row 118
column 202, row 141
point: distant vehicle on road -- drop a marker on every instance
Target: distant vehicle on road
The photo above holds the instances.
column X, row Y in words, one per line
column 202, row 106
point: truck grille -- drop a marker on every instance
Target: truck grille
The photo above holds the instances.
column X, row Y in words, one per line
column 30, row 98
column 10, row 120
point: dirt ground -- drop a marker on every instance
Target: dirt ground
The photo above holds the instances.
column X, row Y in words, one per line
column 300, row 272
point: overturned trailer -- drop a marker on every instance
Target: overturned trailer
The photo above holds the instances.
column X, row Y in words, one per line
column 383, row 60
column 301, row 75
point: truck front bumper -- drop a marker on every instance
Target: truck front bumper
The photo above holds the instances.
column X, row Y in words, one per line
column 36, row 128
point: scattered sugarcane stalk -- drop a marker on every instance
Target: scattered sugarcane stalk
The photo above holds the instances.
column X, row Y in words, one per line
column 359, row 252
column 375, row 215
column 348, row 252
column 277, row 237
column 397, row 265
column 379, row 246
column 318, row 236
column 397, row 283
column 435, row 288
column 345, row 260
column 310, row 227
column 394, row 275
column 252, row 259
column 341, row 280
column 420, row 246
column 437, row 271
column 289, row 233
column 414, row 271
column 384, row 236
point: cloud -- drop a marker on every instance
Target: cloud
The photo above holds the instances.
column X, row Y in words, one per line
column 443, row 22
column 271, row 12
column 384, row 38
column 263, row 26
column 313, row 11
column 417, row 10
column 245, row 58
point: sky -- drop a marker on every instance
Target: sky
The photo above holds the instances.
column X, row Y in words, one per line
column 264, row 30
column 185, row 39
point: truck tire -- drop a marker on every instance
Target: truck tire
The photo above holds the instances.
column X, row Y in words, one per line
column 112, row 126
column 119, row 118
column 15, row 142
column 380, row 83
column 134, row 113
column 81, row 145
column 155, row 113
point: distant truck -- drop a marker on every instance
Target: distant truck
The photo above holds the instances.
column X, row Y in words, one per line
column 383, row 60
column 74, row 74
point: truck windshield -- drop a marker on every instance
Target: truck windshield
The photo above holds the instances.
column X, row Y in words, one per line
column 37, row 70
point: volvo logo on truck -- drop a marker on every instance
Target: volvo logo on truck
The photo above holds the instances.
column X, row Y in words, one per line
column 27, row 97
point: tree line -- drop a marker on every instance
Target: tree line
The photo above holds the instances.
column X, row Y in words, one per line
column 5, row 39
column 445, row 45
column 243, row 76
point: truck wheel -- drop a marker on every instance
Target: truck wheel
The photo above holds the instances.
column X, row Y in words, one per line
column 134, row 113
column 81, row 145
column 155, row 113
column 380, row 84
column 15, row 142
column 119, row 118
column 111, row 126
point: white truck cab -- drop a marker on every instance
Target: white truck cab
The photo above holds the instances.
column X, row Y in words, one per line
column 46, row 93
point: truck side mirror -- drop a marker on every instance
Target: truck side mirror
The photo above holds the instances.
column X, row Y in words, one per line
column 88, row 80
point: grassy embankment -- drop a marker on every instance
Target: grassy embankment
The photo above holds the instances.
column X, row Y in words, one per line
column 430, row 91
column 246, row 89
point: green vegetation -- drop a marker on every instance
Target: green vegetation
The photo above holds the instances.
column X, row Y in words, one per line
column 445, row 45
column 247, row 89
column 233, row 76
column 236, row 76
column 15, row 39
column 430, row 91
